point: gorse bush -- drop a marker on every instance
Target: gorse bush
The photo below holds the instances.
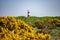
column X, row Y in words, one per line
column 55, row 22
column 49, row 24
column 12, row 29
column 39, row 24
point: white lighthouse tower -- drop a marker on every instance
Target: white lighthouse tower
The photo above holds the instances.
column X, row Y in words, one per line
column 28, row 13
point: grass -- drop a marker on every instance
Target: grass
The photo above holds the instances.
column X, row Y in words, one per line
column 31, row 20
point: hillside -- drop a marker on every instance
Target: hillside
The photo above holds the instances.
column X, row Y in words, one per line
column 12, row 29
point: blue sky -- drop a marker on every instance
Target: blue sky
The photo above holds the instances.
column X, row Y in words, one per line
column 36, row 7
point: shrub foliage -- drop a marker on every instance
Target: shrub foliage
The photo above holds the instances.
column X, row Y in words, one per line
column 12, row 29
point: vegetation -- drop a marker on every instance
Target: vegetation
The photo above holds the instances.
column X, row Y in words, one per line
column 12, row 29
column 47, row 23
column 29, row 28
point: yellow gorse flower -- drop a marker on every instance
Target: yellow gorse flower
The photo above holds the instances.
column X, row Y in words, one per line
column 12, row 29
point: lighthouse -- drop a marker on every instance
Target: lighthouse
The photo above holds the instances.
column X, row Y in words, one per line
column 28, row 12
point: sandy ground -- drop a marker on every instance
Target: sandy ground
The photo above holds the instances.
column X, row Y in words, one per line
column 55, row 38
